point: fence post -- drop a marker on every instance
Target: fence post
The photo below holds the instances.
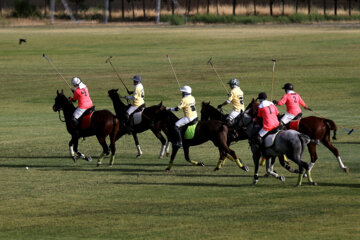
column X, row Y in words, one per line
column 234, row 7
column 324, row 7
column 335, row 7
column 309, row 7
column 296, row 6
column 254, row 7
column 349, row 7
column 271, row 7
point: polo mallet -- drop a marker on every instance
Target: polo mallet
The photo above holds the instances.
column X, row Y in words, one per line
column 272, row 82
column 212, row 65
column 56, row 70
column 108, row 60
column 349, row 131
column 168, row 57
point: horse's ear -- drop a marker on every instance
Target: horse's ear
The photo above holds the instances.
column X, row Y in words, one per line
column 57, row 92
column 62, row 92
column 160, row 104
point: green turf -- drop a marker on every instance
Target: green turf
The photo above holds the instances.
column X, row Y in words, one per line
column 137, row 199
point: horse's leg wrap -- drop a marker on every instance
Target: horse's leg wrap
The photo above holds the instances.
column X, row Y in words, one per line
column 300, row 179
column 167, row 149
column 112, row 159
column 139, row 151
column 101, row 157
column 162, row 151
column 219, row 164
column 341, row 164
column 230, row 157
column 71, row 151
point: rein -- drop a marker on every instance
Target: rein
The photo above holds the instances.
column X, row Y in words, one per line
column 60, row 116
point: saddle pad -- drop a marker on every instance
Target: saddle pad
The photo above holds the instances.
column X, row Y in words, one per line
column 294, row 125
column 86, row 121
column 136, row 118
column 190, row 131
column 269, row 140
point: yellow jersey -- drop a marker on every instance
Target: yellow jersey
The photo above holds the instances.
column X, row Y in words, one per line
column 138, row 95
column 236, row 97
column 187, row 104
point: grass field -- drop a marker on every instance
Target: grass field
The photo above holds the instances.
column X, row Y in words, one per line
column 137, row 199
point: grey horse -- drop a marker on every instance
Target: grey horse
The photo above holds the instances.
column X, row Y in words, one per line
column 290, row 143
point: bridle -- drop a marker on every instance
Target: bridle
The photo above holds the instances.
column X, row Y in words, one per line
column 60, row 115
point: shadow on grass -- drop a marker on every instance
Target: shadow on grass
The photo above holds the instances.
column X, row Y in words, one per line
column 197, row 184
column 355, row 185
column 334, row 142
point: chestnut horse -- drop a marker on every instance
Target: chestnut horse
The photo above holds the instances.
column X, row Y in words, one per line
column 212, row 130
column 316, row 128
column 103, row 123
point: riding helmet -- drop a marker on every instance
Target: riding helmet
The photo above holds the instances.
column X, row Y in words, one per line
column 186, row 89
column 288, row 86
column 137, row 78
column 75, row 81
column 262, row 96
column 233, row 82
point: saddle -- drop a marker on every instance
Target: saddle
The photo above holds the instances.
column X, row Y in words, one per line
column 294, row 124
column 189, row 129
column 136, row 117
column 270, row 139
column 85, row 119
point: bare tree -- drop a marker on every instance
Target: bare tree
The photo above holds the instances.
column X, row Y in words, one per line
column 234, row 7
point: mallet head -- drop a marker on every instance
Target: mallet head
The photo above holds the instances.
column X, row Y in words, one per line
column 274, row 60
column 108, row 59
column 210, row 61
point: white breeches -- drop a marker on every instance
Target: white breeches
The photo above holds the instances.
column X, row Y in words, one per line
column 78, row 112
column 183, row 121
column 132, row 109
column 287, row 118
column 232, row 115
column 262, row 132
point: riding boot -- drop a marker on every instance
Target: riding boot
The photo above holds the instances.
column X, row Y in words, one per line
column 260, row 141
column 178, row 142
column 126, row 124
column 282, row 126
column 76, row 124
column 234, row 133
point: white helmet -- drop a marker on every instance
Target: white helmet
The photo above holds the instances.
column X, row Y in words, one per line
column 186, row 89
column 75, row 81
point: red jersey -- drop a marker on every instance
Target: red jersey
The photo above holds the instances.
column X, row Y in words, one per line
column 83, row 96
column 292, row 101
column 268, row 112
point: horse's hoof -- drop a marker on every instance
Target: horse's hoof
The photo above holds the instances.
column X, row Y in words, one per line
column 347, row 170
column 216, row 169
column 305, row 175
column 201, row 164
column 75, row 158
column 245, row 168
column 254, row 182
column 110, row 165
column 161, row 157
column 138, row 156
column 167, row 169
column 314, row 183
column 168, row 154
column 98, row 164
column 282, row 178
column 89, row 159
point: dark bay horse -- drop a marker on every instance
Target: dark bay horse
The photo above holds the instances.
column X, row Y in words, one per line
column 103, row 123
column 147, row 122
column 319, row 129
column 209, row 112
column 211, row 130
column 289, row 142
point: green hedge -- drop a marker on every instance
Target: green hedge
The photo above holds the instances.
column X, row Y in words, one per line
column 242, row 19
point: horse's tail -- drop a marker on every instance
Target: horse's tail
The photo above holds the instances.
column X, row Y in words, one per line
column 330, row 124
column 305, row 140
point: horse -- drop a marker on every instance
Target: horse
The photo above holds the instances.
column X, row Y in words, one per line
column 212, row 130
column 319, row 129
column 102, row 124
column 147, row 122
column 209, row 112
column 289, row 142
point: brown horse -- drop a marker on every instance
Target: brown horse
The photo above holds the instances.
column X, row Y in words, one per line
column 103, row 124
column 147, row 122
column 316, row 128
column 212, row 130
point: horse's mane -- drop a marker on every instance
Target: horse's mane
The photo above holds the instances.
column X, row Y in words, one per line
column 252, row 108
column 212, row 111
